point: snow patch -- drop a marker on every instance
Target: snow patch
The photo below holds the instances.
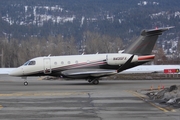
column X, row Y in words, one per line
column 38, row 17
column 82, row 21
column 144, row 3
column 177, row 14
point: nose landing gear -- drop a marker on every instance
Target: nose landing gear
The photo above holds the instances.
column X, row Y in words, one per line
column 25, row 81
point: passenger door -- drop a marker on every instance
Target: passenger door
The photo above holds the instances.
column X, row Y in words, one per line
column 47, row 66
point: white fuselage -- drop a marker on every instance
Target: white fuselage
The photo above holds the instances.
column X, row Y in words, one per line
column 47, row 65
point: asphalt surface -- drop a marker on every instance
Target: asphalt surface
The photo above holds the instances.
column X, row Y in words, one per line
column 79, row 100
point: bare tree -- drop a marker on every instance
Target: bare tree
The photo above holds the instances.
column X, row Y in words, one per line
column 102, row 43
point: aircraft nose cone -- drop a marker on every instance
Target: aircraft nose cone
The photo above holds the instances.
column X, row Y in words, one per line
column 16, row 72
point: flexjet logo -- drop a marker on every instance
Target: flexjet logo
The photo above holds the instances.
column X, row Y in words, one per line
column 119, row 58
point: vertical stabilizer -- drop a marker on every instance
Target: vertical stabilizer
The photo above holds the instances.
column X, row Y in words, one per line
column 145, row 43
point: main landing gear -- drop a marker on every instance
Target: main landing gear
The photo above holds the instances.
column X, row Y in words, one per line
column 94, row 81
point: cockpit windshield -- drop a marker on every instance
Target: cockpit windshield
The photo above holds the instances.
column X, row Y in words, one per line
column 30, row 63
column 26, row 63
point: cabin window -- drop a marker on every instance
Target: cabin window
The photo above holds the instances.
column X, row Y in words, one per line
column 69, row 62
column 62, row 63
column 55, row 63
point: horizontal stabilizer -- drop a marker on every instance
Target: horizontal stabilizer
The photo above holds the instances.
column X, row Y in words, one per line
column 157, row 31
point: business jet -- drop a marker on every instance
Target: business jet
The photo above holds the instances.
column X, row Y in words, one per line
column 92, row 67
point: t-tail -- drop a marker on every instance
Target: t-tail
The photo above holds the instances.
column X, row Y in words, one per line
column 145, row 43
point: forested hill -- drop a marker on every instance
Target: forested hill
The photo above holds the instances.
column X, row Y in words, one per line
column 117, row 18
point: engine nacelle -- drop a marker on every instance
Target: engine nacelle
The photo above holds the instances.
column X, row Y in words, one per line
column 119, row 59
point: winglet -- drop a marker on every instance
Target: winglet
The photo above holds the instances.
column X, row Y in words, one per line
column 126, row 65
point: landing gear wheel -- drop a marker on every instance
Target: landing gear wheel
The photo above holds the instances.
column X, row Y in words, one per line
column 95, row 82
column 89, row 80
column 25, row 83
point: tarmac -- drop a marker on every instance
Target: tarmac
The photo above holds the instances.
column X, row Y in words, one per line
column 80, row 100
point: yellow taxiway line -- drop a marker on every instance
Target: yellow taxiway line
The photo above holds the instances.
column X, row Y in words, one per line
column 143, row 97
column 42, row 94
column 160, row 108
column 1, row 106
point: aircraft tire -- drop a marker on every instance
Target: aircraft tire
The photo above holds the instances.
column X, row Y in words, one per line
column 25, row 83
column 95, row 82
column 89, row 80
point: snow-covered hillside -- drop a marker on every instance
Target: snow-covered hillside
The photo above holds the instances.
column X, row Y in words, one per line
column 117, row 18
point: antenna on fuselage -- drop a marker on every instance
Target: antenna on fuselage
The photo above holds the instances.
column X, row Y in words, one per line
column 49, row 55
column 120, row 51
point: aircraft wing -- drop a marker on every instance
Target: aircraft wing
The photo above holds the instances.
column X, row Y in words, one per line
column 6, row 71
column 88, row 72
column 104, row 72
